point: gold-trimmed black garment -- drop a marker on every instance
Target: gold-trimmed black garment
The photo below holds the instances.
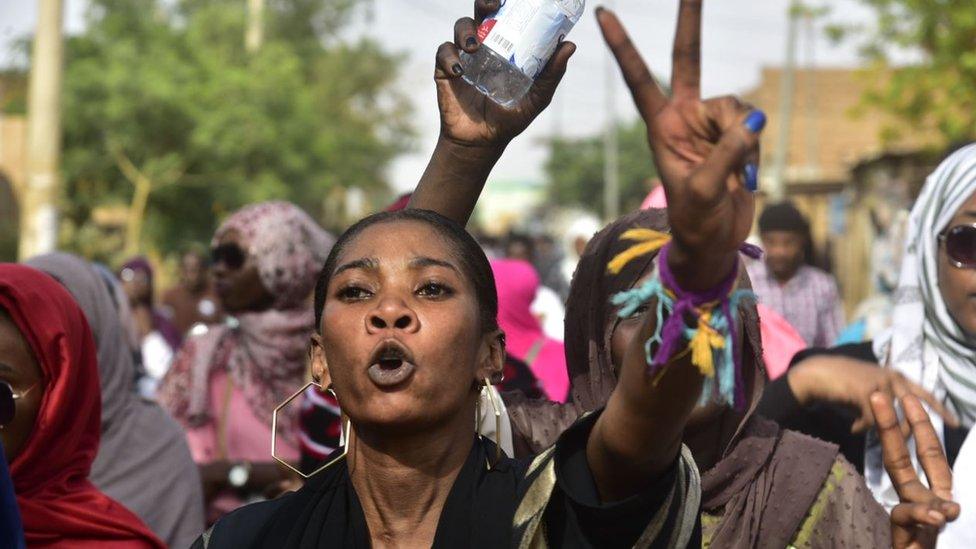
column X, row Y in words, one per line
column 549, row 502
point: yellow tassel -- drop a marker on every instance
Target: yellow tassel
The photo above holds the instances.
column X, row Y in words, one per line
column 648, row 241
column 644, row 235
column 706, row 339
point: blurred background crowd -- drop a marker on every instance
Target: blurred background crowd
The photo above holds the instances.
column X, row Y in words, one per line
column 132, row 130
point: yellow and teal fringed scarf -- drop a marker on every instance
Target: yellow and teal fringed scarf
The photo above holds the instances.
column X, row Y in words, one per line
column 711, row 341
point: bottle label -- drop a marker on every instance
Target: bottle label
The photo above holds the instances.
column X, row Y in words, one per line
column 526, row 32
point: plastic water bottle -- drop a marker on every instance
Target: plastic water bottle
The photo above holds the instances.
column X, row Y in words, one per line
column 516, row 44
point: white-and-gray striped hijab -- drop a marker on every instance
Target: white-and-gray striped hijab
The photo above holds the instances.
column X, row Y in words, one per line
column 924, row 342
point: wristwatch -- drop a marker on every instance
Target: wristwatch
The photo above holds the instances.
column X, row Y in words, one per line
column 238, row 475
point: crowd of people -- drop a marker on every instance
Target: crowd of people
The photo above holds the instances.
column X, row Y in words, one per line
column 660, row 382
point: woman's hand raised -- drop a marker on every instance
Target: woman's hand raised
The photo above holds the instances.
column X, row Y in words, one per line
column 706, row 152
column 923, row 511
column 701, row 149
column 474, row 129
column 468, row 117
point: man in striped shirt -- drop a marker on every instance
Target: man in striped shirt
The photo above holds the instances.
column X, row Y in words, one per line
column 805, row 296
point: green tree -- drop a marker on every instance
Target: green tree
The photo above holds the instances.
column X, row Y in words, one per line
column 168, row 118
column 574, row 169
column 941, row 89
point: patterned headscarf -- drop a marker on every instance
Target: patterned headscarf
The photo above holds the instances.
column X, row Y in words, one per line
column 290, row 248
column 924, row 342
column 265, row 352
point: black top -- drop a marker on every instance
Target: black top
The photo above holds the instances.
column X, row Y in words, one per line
column 832, row 422
column 479, row 511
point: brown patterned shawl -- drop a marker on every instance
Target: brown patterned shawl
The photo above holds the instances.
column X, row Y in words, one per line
column 768, row 482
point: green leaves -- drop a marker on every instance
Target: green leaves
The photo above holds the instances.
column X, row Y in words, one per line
column 170, row 86
column 574, row 169
column 940, row 90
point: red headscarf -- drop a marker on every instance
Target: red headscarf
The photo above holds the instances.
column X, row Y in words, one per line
column 60, row 507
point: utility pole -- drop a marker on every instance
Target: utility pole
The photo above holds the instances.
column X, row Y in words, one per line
column 777, row 190
column 813, row 140
column 611, row 151
column 255, row 26
column 41, row 192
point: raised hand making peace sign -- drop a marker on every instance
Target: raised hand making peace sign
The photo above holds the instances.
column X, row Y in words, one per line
column 923, row 511
column 706, row 152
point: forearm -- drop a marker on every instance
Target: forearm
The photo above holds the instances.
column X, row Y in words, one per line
column 639, row 434
column 214, row 475
column 645, row 418
column 699, row 271
column 454, row 179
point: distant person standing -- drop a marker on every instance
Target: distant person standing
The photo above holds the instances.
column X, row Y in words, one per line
column 193, row 301
column 805, row 296
column 548, row 306
column 158, row 338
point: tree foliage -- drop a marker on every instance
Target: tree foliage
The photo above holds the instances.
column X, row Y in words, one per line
column 574, row 169
column 165, row 93
column 941, row 89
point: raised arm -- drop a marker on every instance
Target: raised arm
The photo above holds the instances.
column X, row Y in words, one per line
column 475, row 130
column 706, row 153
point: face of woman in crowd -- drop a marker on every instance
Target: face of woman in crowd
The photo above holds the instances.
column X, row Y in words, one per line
column 236, row 277
column 19, row 369
column 401, row 334
column 958, row 285
column 135, row 283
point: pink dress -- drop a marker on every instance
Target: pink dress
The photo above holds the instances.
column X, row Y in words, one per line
column 247, row 439
column 780, row 342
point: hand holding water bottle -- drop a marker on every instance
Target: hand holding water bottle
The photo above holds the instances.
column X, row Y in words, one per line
column 468, row 116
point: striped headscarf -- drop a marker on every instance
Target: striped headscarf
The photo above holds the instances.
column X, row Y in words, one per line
column 924, row 342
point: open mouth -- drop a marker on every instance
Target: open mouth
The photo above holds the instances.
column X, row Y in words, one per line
column 390, row 365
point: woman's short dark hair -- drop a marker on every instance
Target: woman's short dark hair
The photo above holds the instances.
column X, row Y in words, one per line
column 473, row 263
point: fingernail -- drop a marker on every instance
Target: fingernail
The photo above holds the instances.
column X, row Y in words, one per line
column 751, row 173
column 457, row 70
column 937, row 517
column 756, row 121
column 471, row 42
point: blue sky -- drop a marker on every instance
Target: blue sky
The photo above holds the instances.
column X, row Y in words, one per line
column 739, row 39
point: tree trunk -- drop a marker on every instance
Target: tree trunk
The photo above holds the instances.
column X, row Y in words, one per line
column 41, row 191
column 255, row 25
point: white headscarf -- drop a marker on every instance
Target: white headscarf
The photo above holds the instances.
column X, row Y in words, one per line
column 924, row 342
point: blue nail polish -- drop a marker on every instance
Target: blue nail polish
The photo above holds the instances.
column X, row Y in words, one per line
column 751, row 173
column 756, row 121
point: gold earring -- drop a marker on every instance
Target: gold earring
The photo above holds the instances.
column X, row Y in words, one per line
column 343, row 432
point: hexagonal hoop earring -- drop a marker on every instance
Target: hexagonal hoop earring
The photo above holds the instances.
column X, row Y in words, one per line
column 274, row 433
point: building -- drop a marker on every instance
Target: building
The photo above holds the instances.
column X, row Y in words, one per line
column 848, row 165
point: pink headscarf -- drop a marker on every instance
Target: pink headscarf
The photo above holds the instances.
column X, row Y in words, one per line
column 517, row 284
column 265, row 352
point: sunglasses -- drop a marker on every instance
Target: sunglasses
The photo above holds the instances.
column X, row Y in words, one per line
column 960, row 243
column 231, row 255
column 8, row 398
